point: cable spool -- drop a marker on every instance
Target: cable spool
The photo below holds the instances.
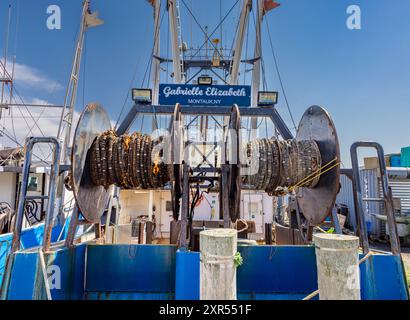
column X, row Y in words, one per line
column 282, row 164
column 90, row 198
column 101, row 159
column 132, row 162
column 317, row 203
column 308, row 164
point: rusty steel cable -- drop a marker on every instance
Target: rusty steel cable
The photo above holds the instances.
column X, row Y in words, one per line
column 126, row 161
column 135, row 161
column 282, row 164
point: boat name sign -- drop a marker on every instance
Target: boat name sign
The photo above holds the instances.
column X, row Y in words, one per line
column 214, row 95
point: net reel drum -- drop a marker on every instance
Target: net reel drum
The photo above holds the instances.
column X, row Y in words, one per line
column 307, row 165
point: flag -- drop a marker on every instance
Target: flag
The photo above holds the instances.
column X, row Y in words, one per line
column 269, row 5
column 92, row 20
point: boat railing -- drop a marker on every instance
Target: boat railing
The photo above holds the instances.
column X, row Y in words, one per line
column 30, row 143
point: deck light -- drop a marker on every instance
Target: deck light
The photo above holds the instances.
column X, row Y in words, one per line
column 267, row 98
column 205, row 80
column 142, row 96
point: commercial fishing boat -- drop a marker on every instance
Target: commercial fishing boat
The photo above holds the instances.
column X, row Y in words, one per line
column 124, row 210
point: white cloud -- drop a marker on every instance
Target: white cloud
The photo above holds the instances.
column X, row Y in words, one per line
column 37, row 101
column 31, row 77
column 19, row 123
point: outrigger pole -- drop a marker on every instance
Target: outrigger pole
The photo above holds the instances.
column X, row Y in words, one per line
column 88, row 20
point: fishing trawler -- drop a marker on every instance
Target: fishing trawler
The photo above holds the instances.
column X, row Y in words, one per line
column 124, row 210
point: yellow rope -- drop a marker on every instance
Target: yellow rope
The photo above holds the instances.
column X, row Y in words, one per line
column 317, row 171
column 315, row 174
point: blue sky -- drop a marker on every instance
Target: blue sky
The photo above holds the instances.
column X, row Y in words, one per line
column 361, row 77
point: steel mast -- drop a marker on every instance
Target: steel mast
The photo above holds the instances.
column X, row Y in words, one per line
column 236, row 60
column 88, row 20
column 176, row 41
column 156, row 52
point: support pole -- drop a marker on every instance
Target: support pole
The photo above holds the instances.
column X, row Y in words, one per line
column 150, row 205
column 267, row 205
column 72, row 228
column 217, row 269
column 225, row 196
column 174, row 25
column 183, row 244
column 156, row 53
column 337, row 262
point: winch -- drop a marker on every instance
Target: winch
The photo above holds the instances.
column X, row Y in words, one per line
column 306, row 166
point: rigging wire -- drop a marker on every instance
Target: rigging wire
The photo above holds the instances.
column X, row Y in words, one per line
column 12, row 89
column 149, row 65
column 279, row 74
column 216, row 29
column 149, row 68
column 134, row 76
column 220, row 18
column 30, row 128
column 246, row 52
column 23, row 103
column 259, row 42
column 234, row 37
column 6, row 133
column 17, row 32
column 63, row 122
column 199, row 25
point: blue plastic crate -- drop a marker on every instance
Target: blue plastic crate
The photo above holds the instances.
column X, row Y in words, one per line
column 405, row 157
column 395, row 160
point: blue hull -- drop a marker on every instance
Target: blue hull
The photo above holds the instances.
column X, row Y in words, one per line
column 30, row 238
column 147, row 272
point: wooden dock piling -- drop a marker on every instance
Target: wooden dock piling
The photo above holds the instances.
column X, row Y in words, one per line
column 217, row 270
column 337, row 261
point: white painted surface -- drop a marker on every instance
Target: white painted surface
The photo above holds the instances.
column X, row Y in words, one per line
column 165, row 216
column 255, row 206
column 8, row 188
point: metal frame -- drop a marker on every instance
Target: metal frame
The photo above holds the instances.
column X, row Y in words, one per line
column 228, row 176
column 387, row 197
column 48, row 227
column 271, row 113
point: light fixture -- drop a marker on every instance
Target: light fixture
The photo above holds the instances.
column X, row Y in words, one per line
column 142, row 96
column 267, row 98
column 205, row 80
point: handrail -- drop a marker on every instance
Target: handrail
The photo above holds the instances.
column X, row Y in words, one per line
column 387, row 197
column 30, row 142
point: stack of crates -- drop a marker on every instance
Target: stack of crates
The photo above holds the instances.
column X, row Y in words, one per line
column 405, row 157
column 395, row 160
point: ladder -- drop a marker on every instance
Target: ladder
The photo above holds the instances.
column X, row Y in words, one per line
column 23, row 197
